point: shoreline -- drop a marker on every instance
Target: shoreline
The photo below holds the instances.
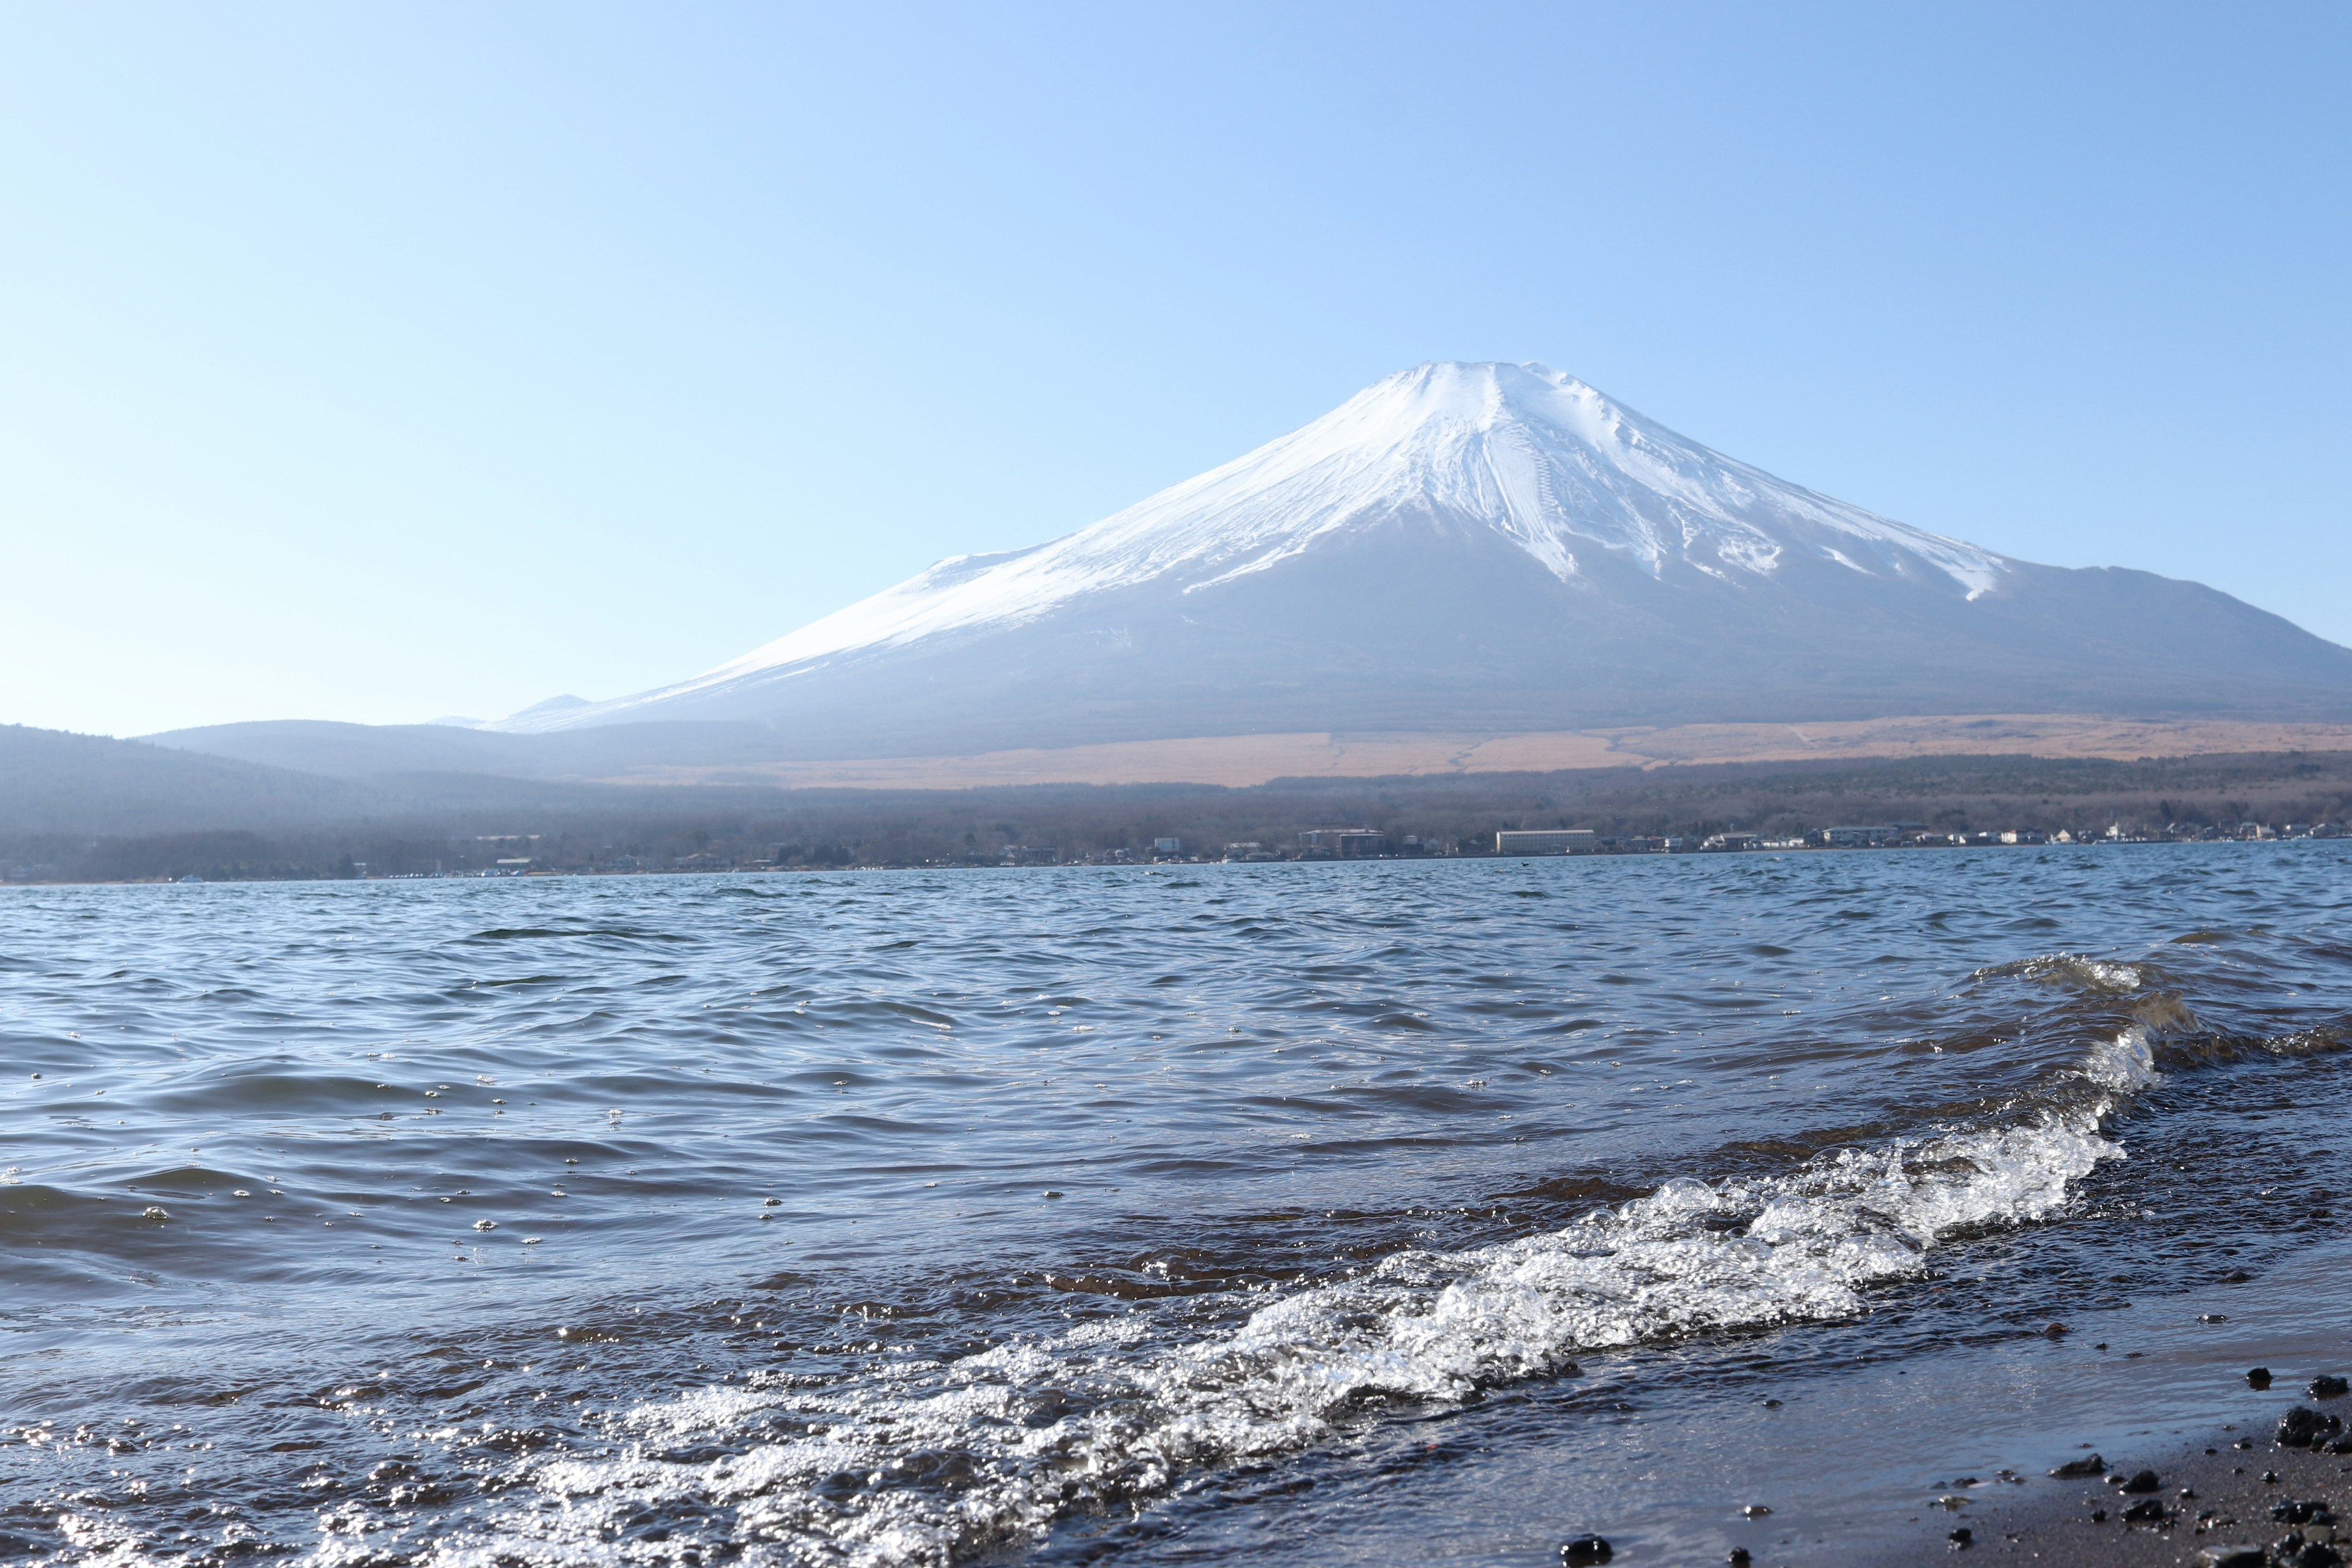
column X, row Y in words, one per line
column 595, row 872
column 1880, row 1461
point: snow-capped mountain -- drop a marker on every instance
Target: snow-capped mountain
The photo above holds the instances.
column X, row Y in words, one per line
column 1483, row 546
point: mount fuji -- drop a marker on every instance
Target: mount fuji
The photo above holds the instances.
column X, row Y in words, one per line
column 1485, row 547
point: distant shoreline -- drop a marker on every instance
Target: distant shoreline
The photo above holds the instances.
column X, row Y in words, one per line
column 1168, row 865
column 84, row 809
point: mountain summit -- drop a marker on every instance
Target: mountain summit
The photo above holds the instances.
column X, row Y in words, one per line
column 1498, row 547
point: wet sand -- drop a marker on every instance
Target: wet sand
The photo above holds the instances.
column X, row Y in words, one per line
column 2216, row 1499
column 1880, row 1463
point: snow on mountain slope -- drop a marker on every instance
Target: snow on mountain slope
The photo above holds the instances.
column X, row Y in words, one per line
column 1538, row 457
column 1483, row 548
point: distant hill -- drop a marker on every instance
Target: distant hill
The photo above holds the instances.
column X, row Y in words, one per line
column 53, row 782
column 374, row 751
column 76, row 807
column 55, row 785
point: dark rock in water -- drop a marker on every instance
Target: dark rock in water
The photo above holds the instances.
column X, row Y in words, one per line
column 2230, row 1557
column 1756, row 1510
column 2258, row 1377
column 2327, row 1385
column 1959, row 1538
column 2212, row 1317
column 2301, row 1427
column 2147, row 1510
column 2145, row 1481
column 1739, row 1558
column 1585, row 1550
column 2088, row 1465
column 2057, row 1331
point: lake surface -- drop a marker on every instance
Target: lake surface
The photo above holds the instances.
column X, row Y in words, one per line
column 1313, row 1212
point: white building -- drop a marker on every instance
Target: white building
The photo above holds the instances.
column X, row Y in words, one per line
column 1546, row 841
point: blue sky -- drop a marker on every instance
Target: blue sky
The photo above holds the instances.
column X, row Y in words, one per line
column 380, row 363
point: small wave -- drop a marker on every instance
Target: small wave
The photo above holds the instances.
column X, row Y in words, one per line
column 2207, row 1050
column 2124, row 1065
column 2098, row 975
column 925, row 1461
column 520, row 933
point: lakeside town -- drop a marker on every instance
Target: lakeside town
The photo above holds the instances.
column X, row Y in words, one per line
column 1339, row 844
column 90, row 826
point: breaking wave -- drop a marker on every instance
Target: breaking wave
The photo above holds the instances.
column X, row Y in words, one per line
column 2098, row 976
column 923, row 1460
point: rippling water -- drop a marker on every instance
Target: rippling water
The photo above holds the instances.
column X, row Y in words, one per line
column 1199, row 1212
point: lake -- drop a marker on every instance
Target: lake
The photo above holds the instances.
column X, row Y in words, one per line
column 1430, row 1211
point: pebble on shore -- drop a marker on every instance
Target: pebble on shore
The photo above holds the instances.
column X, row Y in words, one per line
column 2202, row 1510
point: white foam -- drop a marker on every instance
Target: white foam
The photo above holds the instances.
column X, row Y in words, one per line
column 1690, row 1258
column 2126, row 1064
column 2072, row 969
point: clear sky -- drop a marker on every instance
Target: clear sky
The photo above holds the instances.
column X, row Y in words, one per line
column 378, row 363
